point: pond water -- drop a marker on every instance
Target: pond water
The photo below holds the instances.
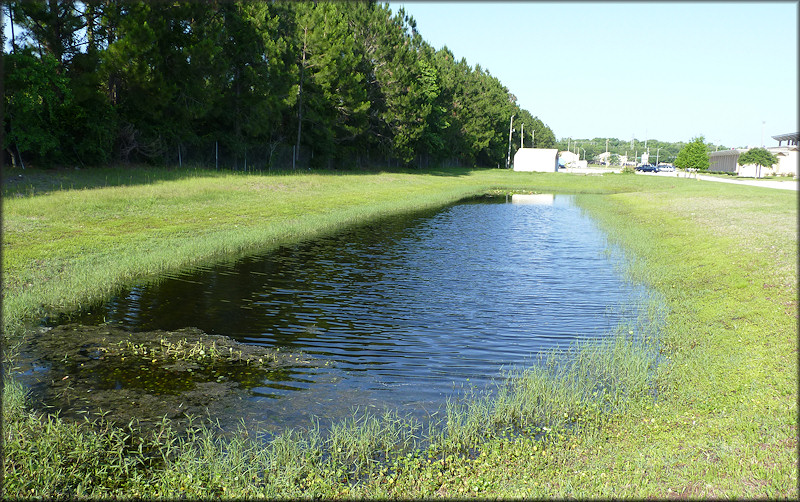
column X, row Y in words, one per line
column 404, row 312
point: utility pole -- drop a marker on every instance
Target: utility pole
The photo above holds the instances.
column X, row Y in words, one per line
column 510, row 128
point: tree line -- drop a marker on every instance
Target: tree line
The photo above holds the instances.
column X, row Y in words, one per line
column 664, row 151
column 246, row 84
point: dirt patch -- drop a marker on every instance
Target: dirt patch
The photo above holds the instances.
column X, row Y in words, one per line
column 85, row 371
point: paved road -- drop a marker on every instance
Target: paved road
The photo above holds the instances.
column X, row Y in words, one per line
column 782, row 185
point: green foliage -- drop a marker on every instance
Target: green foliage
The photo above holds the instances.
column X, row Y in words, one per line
column 761, row 157
column 52, row 26
column 758, row 156
column 662, row 151
column 694, row 155
column 335, row 98
column 36, row 99
column 89, row 119
column 172, row 82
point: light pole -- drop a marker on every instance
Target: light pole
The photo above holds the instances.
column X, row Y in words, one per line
column 657, row 150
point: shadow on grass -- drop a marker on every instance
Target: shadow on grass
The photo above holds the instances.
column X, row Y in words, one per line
column 18, row 182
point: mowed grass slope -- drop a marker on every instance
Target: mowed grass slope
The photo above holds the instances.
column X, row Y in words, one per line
column 723, row 257
column 66, row 248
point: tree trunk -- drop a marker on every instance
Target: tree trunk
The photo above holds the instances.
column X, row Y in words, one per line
column 300, row 96
column 13, row 158
column 11, row 22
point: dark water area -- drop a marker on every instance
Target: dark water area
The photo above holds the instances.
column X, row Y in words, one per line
column 405, row 312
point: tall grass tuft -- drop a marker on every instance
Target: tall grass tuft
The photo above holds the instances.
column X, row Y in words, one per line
column 574, row 390
column 364, row 442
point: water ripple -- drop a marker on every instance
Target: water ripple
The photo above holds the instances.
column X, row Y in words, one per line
column 407, row 310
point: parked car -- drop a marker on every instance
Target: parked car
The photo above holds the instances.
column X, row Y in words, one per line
column 647, row 168
column 666, row 168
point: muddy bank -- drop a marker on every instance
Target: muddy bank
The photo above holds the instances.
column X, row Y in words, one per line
column 84, row 371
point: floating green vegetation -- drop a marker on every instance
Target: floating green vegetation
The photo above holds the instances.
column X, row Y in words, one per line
column 86, row 370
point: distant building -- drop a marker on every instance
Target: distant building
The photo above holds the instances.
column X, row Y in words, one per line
column 787, row 155
column 728, row 160
column 725, row 161
column 791, row 139
column 536, row 159
column 567, row 158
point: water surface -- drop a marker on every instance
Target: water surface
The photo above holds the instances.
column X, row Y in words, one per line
column 406, row 311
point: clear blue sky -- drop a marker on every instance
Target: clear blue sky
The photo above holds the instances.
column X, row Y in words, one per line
column 657, row 70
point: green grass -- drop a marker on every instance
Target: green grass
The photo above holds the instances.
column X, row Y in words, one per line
column 729, row 175
column 716, row 417
column 68, row 248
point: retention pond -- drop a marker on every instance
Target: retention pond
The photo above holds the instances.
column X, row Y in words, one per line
column 400, row 314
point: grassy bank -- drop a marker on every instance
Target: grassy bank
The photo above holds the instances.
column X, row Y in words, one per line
column 66, row 248
column 717, row 419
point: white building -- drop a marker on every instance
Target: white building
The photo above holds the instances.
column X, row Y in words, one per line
column 725, row 161
column 568, row 158
column 787, row 155
column 787, row 160
column 728, row 160
column 536, row 159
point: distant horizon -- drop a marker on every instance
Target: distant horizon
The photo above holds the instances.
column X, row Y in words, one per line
column 599, row 74
column 706, row 140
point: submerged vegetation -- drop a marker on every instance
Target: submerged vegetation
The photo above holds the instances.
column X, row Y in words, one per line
column 697, row 399
column 146, row 375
